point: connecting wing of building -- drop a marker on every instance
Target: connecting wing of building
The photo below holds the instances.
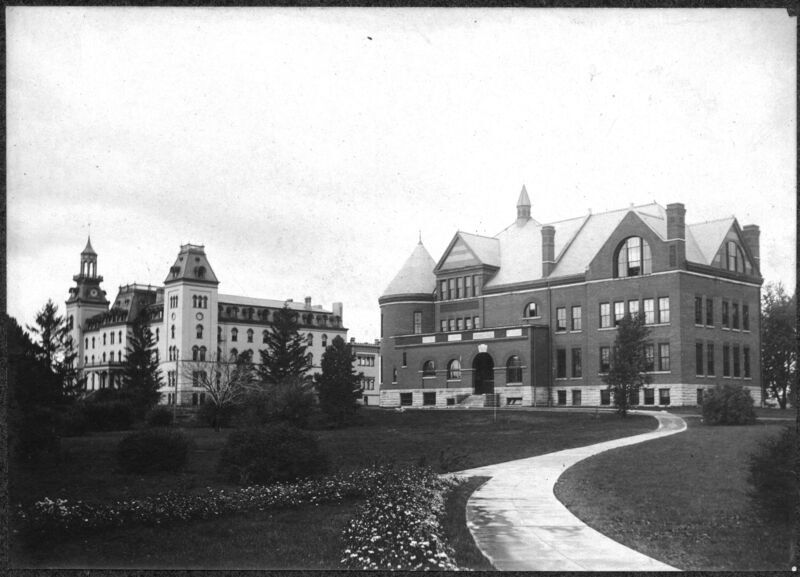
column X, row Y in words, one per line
column 529, row 316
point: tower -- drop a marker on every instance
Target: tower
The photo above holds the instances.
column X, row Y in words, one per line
column 86, row 298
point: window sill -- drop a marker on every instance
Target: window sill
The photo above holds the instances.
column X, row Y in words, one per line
column 607, row 328
column 514, row 384
column 575, row 331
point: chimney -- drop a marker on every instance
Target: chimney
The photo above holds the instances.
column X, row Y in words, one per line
column 352, row 340
column 751, row 234
column 337, row 309
column 308, row 302
column 548, row 249
column 676, row 224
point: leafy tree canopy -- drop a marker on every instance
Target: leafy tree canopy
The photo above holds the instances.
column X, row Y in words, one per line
column 629, row 363
column 779, row 342
column 141, row 376
column 56, row 349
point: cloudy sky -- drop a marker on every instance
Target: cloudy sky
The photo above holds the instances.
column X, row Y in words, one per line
column 308, row 148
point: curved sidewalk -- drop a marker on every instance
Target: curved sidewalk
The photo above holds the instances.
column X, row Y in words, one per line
column 519, row 525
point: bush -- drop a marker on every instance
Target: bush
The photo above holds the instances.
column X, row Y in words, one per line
column 728, row 405
column 159, row 416
column 72, row 421
column 153, row 450
column 108, row 416
column 33, row 433
column 217, row 416
column 275, row 453
column 775, row 489
column 291, row 402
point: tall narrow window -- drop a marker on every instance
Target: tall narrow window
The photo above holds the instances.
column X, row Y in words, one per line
column 454, row 370
column 324, row 340
column 710, row 312
column 699, row 359
column 460, row 324
column 477, row 322
column 561, row 363
column 451, row 325
column 735, row 257
column 605, row 315
column 577, row 323
column 199, row 331
column 745, row 317
column 745, row 358
column 650, row 356
column 468, row 286
column 104, row 338
column 605, row 359
column 698, row 310
column 443, row 290
column 561, row 319
column 417, row 322
column 514, row 369
column 405, row 358
column 735, row 315
column 726, row 361
column 736, row 362
column 633, row 308
column 173, row 331
column 725, row 320
column 310, row 340
column 234, row 335
column 468, row 323
column 202, row 353
column 710, row 359
column 663, row 357
column 663, row 310
column 451, row 287
column 460, row 287
column 249, row 335
column 443, row 325
column 264, row 337
column 195, row 352
column 428, row 369
column 577, row 370
column 649, row 312
column 619, row 312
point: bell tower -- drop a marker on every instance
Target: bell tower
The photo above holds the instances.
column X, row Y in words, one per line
column 86, row 298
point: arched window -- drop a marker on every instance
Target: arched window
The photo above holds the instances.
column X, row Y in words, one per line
column 92, row 359
column 92, row 342
column 202, row 353
column 104, row 358
column 234, row 354
column 104, row 338
column 194, row 301
column 200, row 272
column 324, row 341
column 249, row 335
column 735, row 257
column 120, row 337
column 309, row 340
column 199, row 331
column 531, row 310
column 264, row 336
column 454, row 370
column 173, row 331
column 514, row 370
column 111, row 356
column 195, row 352
column 234, row 335
column 85, row 360
column 310, row 358
column 428, row 369
column 633, row 258
column 86, row 344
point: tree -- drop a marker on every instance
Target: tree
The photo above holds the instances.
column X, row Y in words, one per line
column 285, row 355
column 57, row 350
column 778, row 342
column 338, row 385
column 141, row 376
column 629, row 363
column 225, row 382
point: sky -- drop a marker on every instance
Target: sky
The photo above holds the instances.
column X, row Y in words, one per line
column 309, row 149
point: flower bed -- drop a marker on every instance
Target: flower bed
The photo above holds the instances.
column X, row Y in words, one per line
column 398, row 527
column 63, row 517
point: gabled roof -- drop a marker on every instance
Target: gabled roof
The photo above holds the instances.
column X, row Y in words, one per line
column 415, row 276
column 704, row 239
column 192, row 265
column 486, row 248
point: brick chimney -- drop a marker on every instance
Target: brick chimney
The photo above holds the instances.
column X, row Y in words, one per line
column 676, row 221
column 548, row 249
column 751, row 234
column 308, row 302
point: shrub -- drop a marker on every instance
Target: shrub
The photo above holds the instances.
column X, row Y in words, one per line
column 153, row 450
column 217, row 416
column 159, row 416
column 108, row 416
column 728, row 405
column 35, row 432
column 291, row 401
column 275, row 453
column 772, row 475
column 72, row 421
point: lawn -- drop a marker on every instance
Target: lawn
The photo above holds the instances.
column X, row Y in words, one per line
column 681, row 499
column 306, row 537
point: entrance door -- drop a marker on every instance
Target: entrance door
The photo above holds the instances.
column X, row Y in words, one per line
column 483, row 374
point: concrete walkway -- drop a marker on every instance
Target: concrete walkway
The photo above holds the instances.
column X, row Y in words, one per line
column 519, row 525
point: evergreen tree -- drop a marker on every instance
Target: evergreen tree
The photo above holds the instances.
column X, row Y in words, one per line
column 629, row 364
column 778, row 342
column 57, row 350
column 338, row 385
column 141, row 377
column 285, row 356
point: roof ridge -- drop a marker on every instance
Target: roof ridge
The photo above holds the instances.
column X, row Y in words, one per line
column 731, row 217
column 476, row 234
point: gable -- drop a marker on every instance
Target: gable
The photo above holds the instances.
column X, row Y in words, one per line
column 631, row 225
column 733, row 259
column 459, row 256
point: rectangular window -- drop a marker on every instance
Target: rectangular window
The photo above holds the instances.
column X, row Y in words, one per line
column 443, row 290
column 746, row 355
column 443, row 325
column 736, row 362
column 451, row 325
column 650, row 356
column 460, row 287
column 663, row 396
column 699, row 397
column 663, row 356
column 605, row 397
column 619, row 312
column 468, row 287
column 634, row 398
column 477, row 322
column 605, row 315
column 451, row 287
column 460, row 324
column 710, row 359
column 726, row 361
column 649, row 396
column 417, row 322
column 735, row 315
column 576, row 398
column 561, row 319
column 476, row 283
column 405, row 359
column 663, row 310
column 429, row 398
column 605, row 359
column 576, row 318
column 633, row 308
column 699, row 359
column 698, row 310
column 649, row 311
column 561, row 363
column 725, row 323
column 745, row 320
column 710, row 312
column 406, row 399
column 577, row 370
column 562, row 398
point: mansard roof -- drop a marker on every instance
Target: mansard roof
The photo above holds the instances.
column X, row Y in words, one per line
column 191, row 265
column 242, row 301
column 415, row 276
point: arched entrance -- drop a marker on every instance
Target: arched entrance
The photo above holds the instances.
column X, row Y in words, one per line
column 483, row 374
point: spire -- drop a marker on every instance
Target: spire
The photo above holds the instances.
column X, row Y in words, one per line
column 523, row 205
column 89, row 249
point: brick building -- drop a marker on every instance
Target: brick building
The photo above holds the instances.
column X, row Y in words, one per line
column 528, row 316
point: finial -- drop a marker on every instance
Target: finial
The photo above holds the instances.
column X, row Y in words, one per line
column 420, row 236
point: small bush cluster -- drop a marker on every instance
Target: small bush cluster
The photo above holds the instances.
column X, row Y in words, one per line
column 290, row 401
column 159, row 416
column 60, row 516
column 728, row 405
column 772, row 475
column 398, row 527
column 108, row 416
column 272, row 454
column 153, row 450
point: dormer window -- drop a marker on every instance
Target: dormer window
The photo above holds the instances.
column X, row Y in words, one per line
column 633, row 258
column 200, row 272
column 735, row 258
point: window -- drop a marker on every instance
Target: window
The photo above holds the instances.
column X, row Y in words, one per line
column 649, row 356
column 310, row 340
column 460, row 324
column 663, row 396
column 158, row 334
column 86, row 343
column 443, row 326
column 561, row 363
column 699, row 359
column 649, row 396
column 477, row 322
column 249, row 335
column 663, row 357
column 195, row 352
column 619, row 312
column 605, row 397
column 532, row 310
column 428, row 369
column 468, row 287
column 735, row 257
column 194, row 301
column 406, row 399
column 453, row 370
column 746, row 358
column 649, row 312
column 725, row 321
column 735, row 315
column 417, row 322
column 468, row 323
column 745, row 318
column 172, row 331
column 429, row 398
column 111, row 356
column 451, row 287
column 710, row 312
column 633, row 398
column 663, row 310
column 736, row 362
column 633, row 308
column 576, row 398
column 92, row 342
column 633, row 258
column 199, row 331
column 394, row 375
column 605, row 359
column 577, row 370
column 476, row 279
column 202, row 353
column 576, row 318
column 561, row 319
column 104, row 358
column 264, row 336
column 710, row 359
column 460, row 287
column 562, row 398
column 104, row 338
column 443, row 290
column 234, row 335
column 324, row 340
column 605, row 315
column 310, row 358
column 726, row 360
column 514, row 369
column 451, row 325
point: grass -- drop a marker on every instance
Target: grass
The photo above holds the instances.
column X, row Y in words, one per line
column 682, row 499
column 457, row 533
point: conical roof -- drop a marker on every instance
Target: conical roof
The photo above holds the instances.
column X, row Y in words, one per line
column 523, row 198
column 416, row 275
column 89, row 249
